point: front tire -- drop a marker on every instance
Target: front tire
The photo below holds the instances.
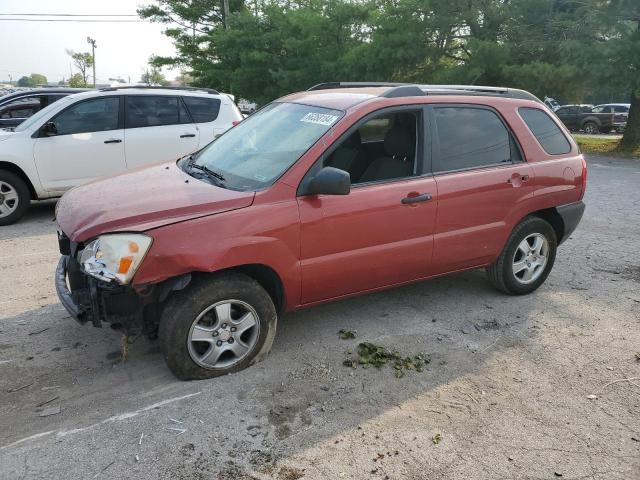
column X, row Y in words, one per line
column 527, row 258
column 216, row 326
column 14, row 198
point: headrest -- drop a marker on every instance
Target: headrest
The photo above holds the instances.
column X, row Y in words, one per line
column 398, row 143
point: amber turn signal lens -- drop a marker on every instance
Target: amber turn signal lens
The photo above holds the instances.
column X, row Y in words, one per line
column 125, row 264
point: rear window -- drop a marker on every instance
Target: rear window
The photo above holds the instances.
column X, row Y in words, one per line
column 202, row 110
column 546, row 131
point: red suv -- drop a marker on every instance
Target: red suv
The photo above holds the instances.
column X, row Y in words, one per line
column 340, row 190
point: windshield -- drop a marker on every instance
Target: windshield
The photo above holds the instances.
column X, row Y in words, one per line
column 262, row 147
column 41, row 114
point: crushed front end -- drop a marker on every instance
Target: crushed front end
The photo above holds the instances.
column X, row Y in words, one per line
column 99, row 297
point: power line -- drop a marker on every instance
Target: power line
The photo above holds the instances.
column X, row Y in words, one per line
column 67, row 20
column 67, row 15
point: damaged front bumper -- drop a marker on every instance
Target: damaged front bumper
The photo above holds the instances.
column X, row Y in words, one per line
column 88, row 299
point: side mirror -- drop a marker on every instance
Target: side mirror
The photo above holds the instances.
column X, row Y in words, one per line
column 330, row 181
column 49, row 129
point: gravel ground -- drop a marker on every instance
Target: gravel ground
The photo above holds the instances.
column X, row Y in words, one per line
column 509, row 391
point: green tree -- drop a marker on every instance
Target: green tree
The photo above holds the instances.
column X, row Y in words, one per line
column 25, row 82
column 33, row 80
column 619, row 60
column 153, row 76
column 568, row 49
column 77, row 81
column 83, row 62
column 38, row 79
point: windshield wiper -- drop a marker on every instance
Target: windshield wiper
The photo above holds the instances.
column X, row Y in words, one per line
column 218, row 177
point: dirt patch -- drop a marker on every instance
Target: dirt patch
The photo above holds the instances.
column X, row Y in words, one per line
column 290, row 473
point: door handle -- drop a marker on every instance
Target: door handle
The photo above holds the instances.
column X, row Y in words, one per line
column 416, row 199
column 187, row 135
column 113, row 140
column 517, row 176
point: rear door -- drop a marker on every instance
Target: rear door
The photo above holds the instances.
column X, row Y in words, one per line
column 208, row 115
column 89, row 144
column 158, row 129
column 481, row 178
column 569, row 116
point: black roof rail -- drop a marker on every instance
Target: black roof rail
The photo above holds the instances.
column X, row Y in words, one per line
column 414, row 90
column 146, row 87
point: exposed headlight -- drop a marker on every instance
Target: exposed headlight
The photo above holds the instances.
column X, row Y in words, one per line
column 115, row 256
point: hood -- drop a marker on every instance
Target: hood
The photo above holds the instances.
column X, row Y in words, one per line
column 140, row 200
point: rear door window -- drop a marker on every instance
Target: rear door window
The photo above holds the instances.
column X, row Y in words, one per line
column 546, row 131
column 151, row 111
column 202, row 110
column 23, row 112
column 470, row 137
column 30, row 104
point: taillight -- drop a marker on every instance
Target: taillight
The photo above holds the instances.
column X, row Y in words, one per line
column 235, row 122
column 584, row 177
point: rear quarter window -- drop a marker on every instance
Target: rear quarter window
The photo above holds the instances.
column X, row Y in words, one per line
column 202, row 110
column 546, row 131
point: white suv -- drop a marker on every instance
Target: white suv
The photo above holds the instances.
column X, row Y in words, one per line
column 94, row 134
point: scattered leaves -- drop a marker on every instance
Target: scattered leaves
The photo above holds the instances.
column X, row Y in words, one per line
column 371, row 355
column 436, row 439
column 347, row 334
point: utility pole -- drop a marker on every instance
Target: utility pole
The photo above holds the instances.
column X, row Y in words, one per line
column 93, row 56
column 225, row 4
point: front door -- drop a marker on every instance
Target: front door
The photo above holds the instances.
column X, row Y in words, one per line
column 381, row 233
column 482, row 181
column 86, row 143
column 157, row 129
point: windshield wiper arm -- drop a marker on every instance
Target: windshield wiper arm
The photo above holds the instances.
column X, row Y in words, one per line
column 206, row 170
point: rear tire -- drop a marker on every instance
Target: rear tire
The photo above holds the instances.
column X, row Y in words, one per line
column 15, row 198
column 590, row 128
column 217, row 325
column 519, row 269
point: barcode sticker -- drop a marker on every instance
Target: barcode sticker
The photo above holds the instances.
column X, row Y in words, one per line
column 319, row 118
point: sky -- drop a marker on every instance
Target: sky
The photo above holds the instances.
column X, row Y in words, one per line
column 123, row 49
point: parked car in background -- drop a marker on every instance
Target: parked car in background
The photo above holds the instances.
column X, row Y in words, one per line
column 94, row 134
column 620, row 113
column 582, row 117
column 341, row 190
column 16, row 107
column 552, row 103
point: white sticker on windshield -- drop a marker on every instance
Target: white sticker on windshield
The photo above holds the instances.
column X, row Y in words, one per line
column 319, row 118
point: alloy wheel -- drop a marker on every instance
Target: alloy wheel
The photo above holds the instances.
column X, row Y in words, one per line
column 590, row 129
column 8, row 199
column 530, row 258
column 223, row 334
